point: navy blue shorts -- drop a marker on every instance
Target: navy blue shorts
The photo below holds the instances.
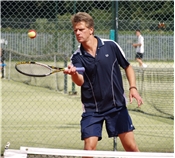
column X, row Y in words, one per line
column 116, row 122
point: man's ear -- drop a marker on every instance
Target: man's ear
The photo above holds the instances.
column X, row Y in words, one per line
column 91, row 31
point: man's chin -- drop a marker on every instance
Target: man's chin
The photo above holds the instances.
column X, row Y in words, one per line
column 80, row 41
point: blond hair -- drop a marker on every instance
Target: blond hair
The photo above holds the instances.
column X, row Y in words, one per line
column 82, row 16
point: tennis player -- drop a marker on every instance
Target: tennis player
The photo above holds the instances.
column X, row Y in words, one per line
column 139, row 49
column 102, row 92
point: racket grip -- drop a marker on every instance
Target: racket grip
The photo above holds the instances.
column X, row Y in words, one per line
column 80, row 69
column 2, row 64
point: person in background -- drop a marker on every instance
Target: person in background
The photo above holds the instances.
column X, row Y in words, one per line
column 2, row 42
column 1, row 62
column 102, row 92
column 139, row 49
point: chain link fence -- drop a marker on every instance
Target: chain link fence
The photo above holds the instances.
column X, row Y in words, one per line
column 45, row 112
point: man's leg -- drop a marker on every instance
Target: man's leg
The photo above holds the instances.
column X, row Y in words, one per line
column 128, row 141
column 139, row 61
column 90, row 144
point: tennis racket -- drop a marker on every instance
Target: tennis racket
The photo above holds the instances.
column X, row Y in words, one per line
column 35, row 69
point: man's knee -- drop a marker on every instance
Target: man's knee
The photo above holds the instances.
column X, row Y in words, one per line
column 131, row 147
column 90, row 143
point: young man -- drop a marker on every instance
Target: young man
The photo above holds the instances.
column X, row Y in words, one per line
column 139, row 49
column 102, row 92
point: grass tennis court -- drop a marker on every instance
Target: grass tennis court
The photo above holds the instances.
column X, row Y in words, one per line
column 39, row 117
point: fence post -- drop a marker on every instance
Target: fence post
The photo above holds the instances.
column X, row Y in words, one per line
column 73, row 49
column 56, row 75
column 10, row 59
column 116, row 39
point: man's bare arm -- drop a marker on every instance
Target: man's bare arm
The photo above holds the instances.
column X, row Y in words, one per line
column 133, row 93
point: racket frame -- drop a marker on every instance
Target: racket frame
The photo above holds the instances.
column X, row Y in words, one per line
column 56, row 69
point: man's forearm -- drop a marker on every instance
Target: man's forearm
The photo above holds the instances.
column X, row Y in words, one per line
column 130, row 76
column 77, row 79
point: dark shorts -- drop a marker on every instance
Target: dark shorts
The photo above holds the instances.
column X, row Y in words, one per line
column 116, row 122
column 139, row 55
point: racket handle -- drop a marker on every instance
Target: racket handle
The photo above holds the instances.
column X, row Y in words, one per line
column 80, row 69
column 2, row 64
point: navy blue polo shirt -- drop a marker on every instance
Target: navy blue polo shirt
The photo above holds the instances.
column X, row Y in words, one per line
column 103, row 88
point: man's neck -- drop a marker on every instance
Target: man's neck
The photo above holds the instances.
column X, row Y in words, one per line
column 91, row 46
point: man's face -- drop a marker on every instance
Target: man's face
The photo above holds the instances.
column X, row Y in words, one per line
column 137, row 33
column 82, row 32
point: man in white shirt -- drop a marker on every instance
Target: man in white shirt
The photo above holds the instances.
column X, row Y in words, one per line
column 139, row 49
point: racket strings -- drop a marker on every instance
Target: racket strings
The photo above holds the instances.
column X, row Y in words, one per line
column 33, row 69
